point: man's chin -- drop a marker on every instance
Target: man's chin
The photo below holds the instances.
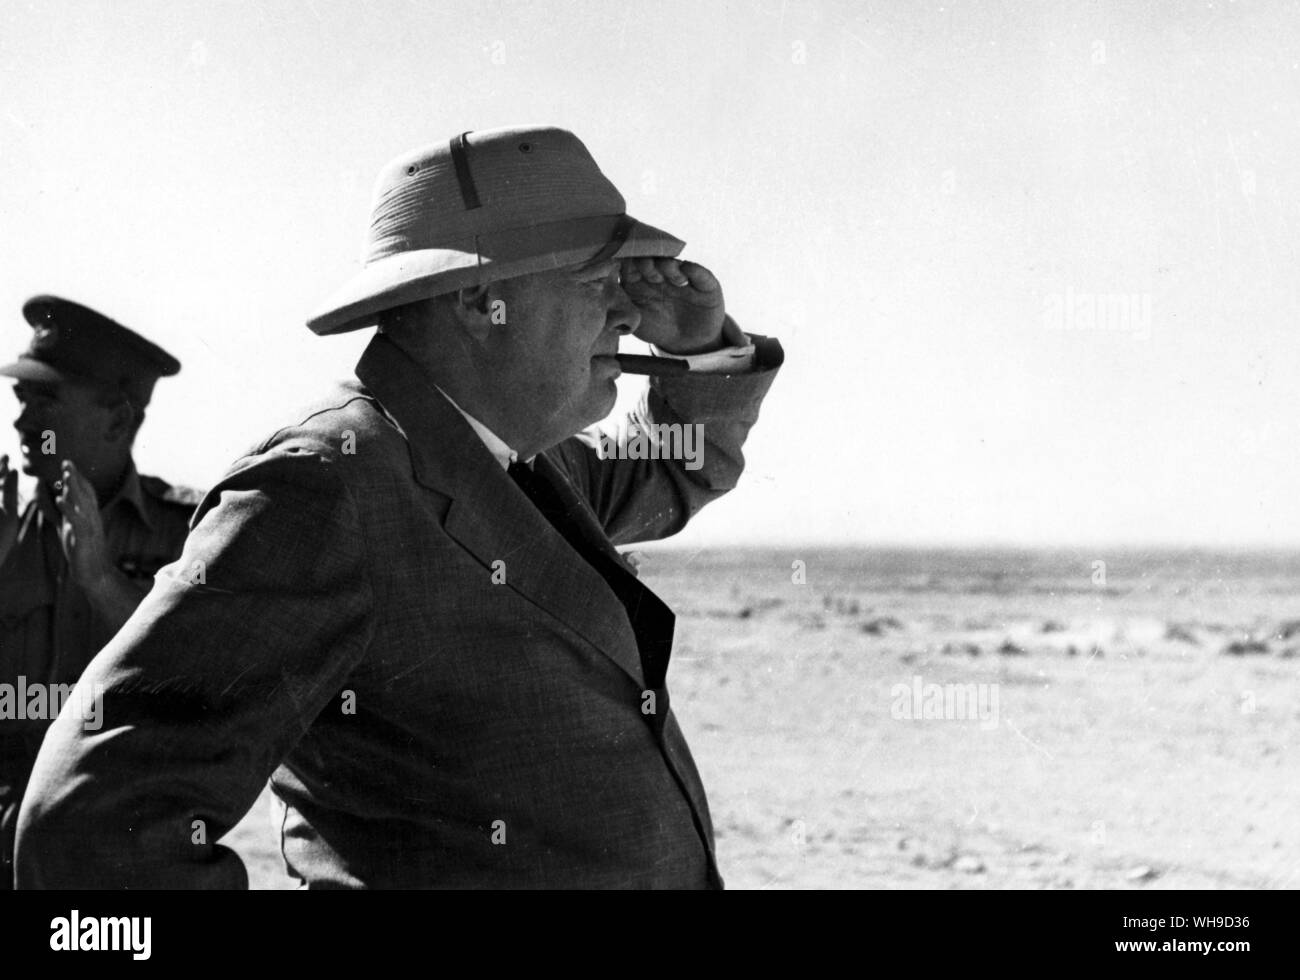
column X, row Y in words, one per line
column 600, row 401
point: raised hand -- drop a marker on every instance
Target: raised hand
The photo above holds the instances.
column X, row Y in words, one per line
column 82, row 533
column 8, row 509
column 681, row 305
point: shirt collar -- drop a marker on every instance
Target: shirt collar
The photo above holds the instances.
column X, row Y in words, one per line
column 130, row 493
column 502, row 453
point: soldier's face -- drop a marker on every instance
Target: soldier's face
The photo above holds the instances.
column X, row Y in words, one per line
column 57, row 421
column 560, row 335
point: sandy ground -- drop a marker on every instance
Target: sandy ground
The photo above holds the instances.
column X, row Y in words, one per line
column 1125, row 748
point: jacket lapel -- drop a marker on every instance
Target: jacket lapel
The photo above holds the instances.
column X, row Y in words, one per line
column 491, row 517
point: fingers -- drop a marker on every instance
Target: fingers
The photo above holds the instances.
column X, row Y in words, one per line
column 9, row 480
column 700, row 277
column 72, row 504
column 671, row 270
column 645, row 267
column 661, row 270
column 72, row 493
column 68, row 539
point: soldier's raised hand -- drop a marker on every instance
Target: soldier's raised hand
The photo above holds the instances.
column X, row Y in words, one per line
column 82, row 533
column 8, row 509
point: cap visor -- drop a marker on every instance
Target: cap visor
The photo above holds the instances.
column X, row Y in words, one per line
column 30, row 369
column 410, row 276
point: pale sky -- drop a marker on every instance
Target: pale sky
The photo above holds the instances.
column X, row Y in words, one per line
column 910, row 196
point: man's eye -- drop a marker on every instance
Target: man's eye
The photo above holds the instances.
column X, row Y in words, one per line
column 600, row 282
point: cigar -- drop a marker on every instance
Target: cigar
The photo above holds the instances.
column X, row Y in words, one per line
column 640, row 364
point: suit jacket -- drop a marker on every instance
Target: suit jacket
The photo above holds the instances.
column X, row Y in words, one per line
column 337, row 623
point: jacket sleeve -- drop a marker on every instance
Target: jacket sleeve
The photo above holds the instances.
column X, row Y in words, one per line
column 678, row 450
column 243, row 641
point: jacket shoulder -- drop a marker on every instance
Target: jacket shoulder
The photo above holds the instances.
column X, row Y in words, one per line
column 329, row 425
column 347, row 430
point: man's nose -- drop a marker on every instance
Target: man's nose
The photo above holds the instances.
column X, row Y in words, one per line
column 624, row 314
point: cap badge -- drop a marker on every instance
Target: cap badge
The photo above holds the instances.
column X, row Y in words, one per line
column 45, row 335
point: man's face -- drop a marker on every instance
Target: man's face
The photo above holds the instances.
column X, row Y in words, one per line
column 57, row 421
column 558, row 342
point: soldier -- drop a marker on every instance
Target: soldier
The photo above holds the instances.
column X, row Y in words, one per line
column 81, row 555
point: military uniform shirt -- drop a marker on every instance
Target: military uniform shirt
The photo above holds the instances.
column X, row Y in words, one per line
column 48, row 629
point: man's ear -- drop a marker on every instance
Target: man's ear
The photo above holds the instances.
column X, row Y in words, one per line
column 473, row 309
column 121, row 421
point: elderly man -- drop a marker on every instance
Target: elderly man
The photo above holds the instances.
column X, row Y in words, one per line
column 82, row 554
column 411, row 615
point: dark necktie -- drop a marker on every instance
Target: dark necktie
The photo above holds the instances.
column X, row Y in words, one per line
column 652, row 621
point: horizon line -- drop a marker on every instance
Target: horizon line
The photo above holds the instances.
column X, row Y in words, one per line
column 670, row 545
